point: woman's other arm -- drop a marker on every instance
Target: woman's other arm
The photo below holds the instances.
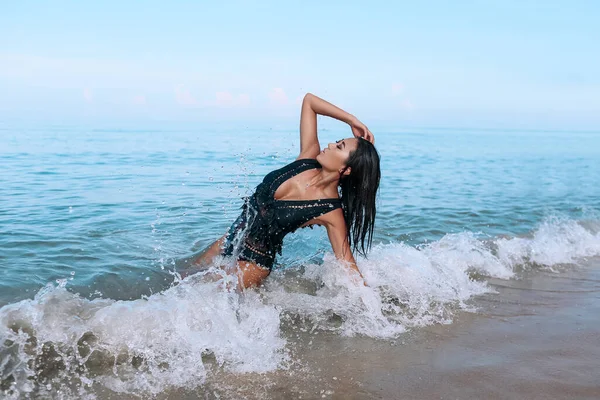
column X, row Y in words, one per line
column 338, row 237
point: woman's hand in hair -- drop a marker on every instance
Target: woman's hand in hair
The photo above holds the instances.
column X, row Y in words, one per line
column 360, row 130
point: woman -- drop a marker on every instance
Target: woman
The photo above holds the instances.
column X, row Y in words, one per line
column 334, row 187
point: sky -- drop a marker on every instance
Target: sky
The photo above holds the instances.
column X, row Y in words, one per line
column 492, row 64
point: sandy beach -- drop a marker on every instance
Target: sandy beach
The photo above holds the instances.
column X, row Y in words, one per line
column 538, row 337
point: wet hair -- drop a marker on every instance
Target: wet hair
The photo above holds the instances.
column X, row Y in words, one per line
column 358, row 191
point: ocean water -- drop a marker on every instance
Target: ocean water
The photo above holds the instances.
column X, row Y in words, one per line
column 93, row 223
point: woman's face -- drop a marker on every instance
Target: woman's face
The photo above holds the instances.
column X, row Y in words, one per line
column 335, row 155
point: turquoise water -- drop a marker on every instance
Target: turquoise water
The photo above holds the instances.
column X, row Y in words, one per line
column 111, row 208
column 93, row 221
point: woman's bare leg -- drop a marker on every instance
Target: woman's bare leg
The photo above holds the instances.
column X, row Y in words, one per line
column 204, row 259
column 207, row 256
column 249, row 274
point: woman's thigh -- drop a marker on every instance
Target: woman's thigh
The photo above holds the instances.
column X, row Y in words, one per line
column 250, row 274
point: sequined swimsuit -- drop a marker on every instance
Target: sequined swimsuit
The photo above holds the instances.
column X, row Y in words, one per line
column 257, row 235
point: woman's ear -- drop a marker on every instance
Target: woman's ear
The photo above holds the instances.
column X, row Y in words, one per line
column 345, row 171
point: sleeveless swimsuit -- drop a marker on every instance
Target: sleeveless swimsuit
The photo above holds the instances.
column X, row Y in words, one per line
column 257, row 235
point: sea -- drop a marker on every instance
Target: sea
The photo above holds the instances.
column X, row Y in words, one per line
column 94, row 222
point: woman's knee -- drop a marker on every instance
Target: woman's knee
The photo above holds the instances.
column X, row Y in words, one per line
column 250, row 274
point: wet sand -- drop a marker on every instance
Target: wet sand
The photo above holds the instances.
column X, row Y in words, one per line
column 538, row 337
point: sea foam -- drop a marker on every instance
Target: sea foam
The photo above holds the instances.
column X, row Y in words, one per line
column 59, row 341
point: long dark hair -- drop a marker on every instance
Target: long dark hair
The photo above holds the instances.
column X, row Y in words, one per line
column 358, row 191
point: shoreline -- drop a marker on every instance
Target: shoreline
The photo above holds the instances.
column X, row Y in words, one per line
column 538, row 337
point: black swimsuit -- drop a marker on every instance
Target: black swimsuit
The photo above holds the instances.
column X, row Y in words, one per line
column 257, row 234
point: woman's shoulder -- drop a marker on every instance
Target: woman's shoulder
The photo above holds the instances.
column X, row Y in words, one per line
column 296, row 165
column 301, row 162
column 305, row 159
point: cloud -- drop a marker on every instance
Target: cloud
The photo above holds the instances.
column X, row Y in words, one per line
column 397, row 88
column 139, row 100
column 278, row 97
column 88, row 96
column 404, row 103
column 407, row 105
column 244, row 100
column 226, row 99
column 184, row 97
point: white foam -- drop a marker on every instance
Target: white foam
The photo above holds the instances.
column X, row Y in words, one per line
column 410, row 286
column 406, row 288
column 159, row 341
column 341, row 298
column 556, row 241
column 169, row 331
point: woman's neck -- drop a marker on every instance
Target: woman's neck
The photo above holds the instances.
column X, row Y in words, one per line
column 327, row 181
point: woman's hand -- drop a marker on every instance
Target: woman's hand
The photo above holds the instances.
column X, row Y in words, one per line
column 360, row 130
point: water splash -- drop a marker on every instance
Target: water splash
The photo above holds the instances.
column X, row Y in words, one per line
column 556, row 241
column 62, row 342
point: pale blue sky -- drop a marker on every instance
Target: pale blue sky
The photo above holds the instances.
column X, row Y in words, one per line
column 433, row 63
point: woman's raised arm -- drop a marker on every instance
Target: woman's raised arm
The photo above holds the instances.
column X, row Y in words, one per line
column 313, row 106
